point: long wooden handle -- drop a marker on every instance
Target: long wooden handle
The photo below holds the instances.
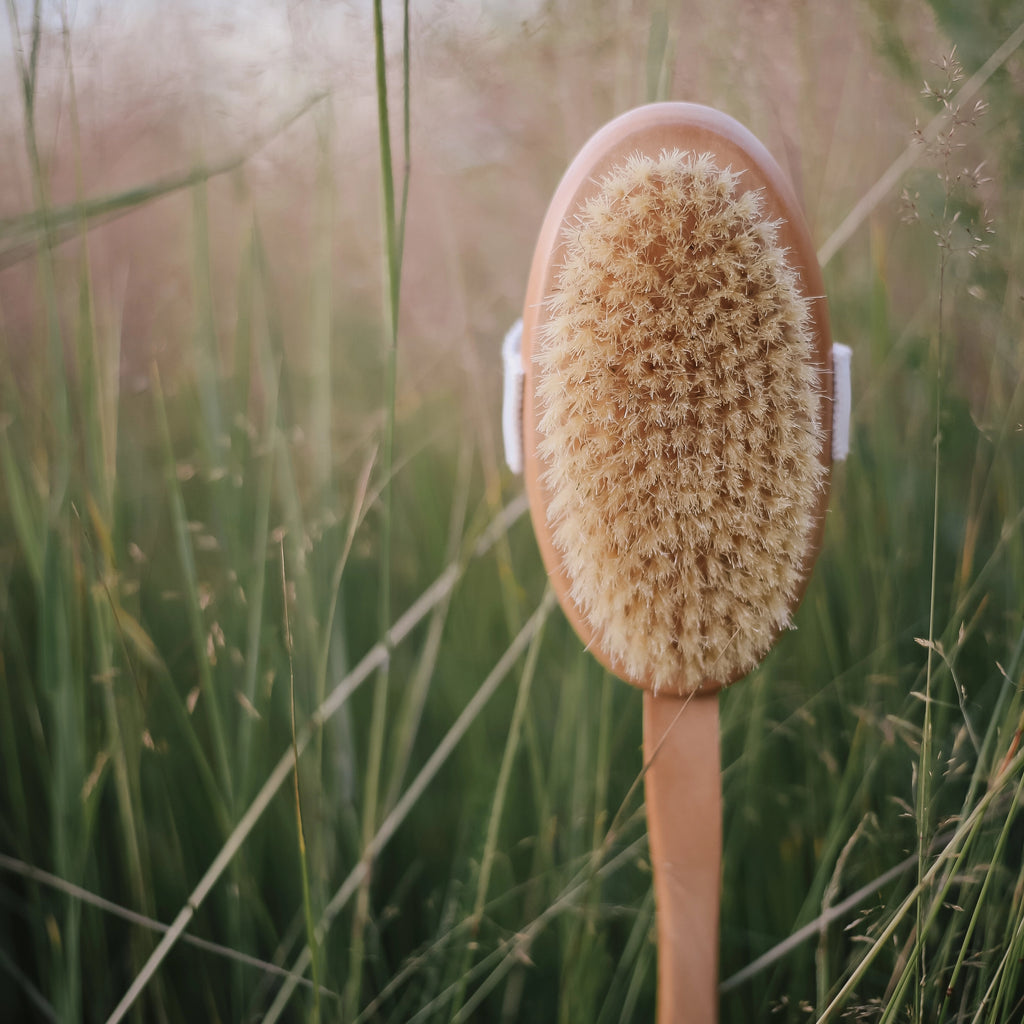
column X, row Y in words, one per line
column 684, row 822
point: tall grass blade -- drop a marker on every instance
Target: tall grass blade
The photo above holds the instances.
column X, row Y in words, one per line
column 416, row 788
column 332, row 704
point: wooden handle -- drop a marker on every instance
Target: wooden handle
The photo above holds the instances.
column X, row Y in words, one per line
column 684, row 820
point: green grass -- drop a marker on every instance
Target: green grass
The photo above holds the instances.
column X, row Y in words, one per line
column 260, row 564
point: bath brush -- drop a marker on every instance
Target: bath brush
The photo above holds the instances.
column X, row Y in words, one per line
column 676, row 437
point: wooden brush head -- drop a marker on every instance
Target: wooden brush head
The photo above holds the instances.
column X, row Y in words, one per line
column 677, row 400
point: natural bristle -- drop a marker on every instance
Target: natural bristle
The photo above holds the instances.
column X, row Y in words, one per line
column 678, row 421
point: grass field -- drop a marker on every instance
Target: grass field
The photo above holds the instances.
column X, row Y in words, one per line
column 289, row 726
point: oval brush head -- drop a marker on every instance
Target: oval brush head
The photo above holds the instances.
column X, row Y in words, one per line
column 676, row 420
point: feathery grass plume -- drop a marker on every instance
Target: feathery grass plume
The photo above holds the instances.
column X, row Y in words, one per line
column 679, row 424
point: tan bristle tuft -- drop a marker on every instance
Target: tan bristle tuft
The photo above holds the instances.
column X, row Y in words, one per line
column 679, row 421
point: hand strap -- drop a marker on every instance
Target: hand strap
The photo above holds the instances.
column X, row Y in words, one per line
column 512, row 402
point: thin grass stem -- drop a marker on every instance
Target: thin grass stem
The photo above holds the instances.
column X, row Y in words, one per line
column 442, row 752
column 300, row 834
column 77, row 892
column 394, row 231
column 335, row 700
column 955, row 852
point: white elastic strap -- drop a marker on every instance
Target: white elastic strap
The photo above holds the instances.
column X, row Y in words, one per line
column 841, row 401
column 512, row 403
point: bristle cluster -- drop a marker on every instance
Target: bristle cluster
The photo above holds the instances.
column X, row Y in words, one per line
column 678, row 421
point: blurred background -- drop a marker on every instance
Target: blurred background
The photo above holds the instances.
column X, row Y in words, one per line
column 254, row 506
